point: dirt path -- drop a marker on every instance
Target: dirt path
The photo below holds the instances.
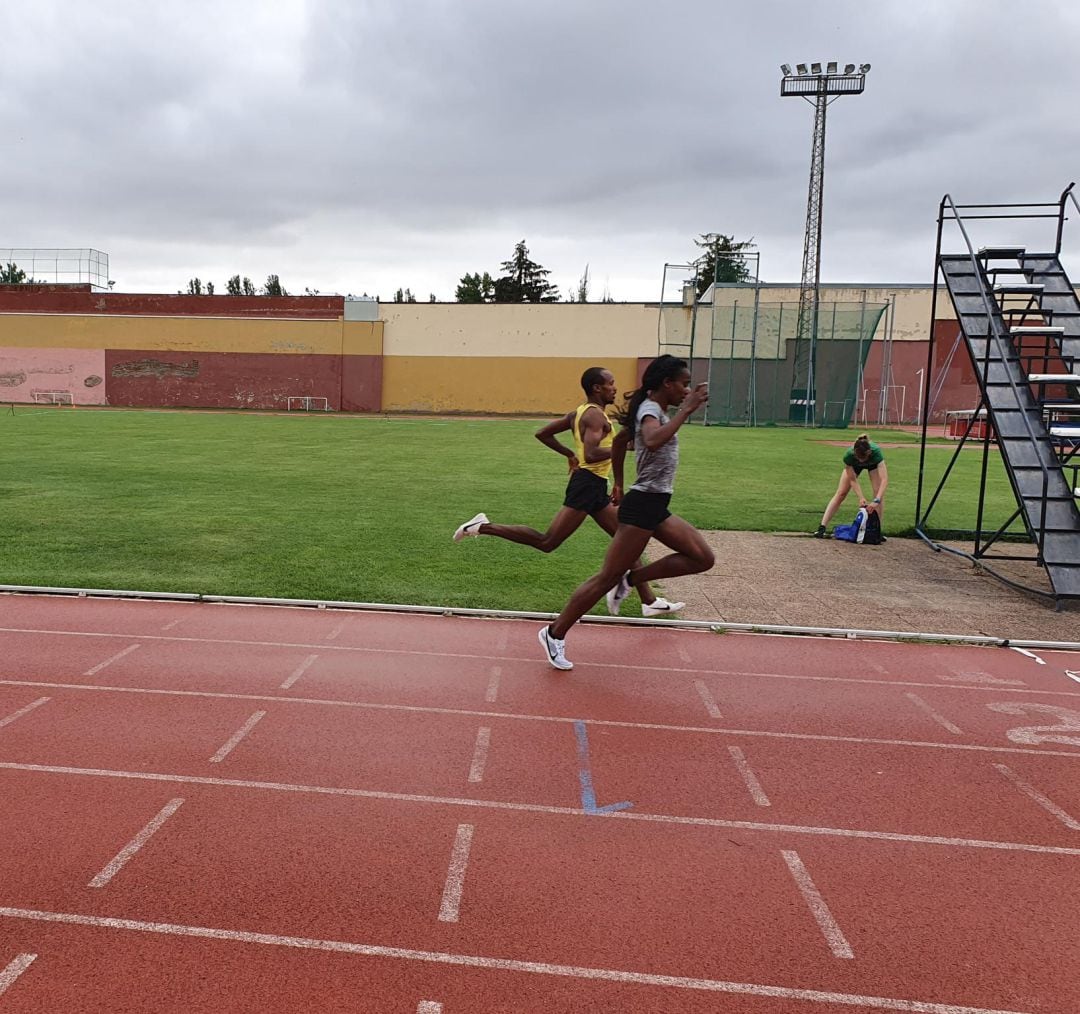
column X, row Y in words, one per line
column 901, row 586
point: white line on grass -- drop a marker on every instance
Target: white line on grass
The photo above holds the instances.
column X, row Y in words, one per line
column 483, row 741
column 455, row 876
column 109, row 661
column 501, row 964
column 834, row 936
column 1047, row 804
column 562, row 811
column 15, row 716
column 136, row 843
column 707, row 699
column 14, row 969
column 754, row 786
column 617, row 666
column 511, row 716
column 493, row 685
column 299, row 671
column 237, row 736
column 936, row 716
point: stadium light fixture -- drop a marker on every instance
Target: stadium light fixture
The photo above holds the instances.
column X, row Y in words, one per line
column 820, row 90
column 785, row 69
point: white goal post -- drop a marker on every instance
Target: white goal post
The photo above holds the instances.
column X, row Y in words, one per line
column 306, row 403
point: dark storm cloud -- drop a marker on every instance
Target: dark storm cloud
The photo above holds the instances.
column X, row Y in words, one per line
column 360, row 146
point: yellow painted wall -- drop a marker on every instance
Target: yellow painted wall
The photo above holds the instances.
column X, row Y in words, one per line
column 546, row 386
column 556, row 330
column 191, row 334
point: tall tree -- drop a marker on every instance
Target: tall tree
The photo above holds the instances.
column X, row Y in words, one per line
column 524, row 281
column 12, row 274
column 722, row 261
column 273, row 287
column 404, row 296
column 581, row 290
column 194, row 287
column 236, row 286
column 475, row 288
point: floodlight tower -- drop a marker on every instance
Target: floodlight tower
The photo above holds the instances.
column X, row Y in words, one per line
column 819, row 88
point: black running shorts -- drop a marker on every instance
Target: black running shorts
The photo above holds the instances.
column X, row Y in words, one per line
column 644, row 510
column 586, row 492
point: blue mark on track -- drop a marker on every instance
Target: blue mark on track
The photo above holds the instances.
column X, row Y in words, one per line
column 588, row 793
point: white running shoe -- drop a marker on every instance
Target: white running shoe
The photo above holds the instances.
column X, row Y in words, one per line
column 661, row 607
column 617, row 594
column 556, row 649
column 470, row 528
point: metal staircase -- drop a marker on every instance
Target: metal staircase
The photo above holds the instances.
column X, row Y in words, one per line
column 1019, row 318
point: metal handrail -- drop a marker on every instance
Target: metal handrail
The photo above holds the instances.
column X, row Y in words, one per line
column 992, row 330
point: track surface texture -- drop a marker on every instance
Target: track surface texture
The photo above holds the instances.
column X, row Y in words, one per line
column 227, row 808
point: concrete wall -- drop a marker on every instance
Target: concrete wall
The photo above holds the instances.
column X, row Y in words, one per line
column 254, row 352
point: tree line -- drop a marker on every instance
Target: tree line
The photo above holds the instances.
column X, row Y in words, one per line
column 722, row 259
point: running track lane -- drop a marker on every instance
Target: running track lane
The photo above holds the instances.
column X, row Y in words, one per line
column 307, row 865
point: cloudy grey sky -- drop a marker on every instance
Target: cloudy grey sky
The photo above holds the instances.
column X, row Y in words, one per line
column 361, row 145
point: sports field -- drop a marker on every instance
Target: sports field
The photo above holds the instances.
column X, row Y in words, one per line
column 362, row 508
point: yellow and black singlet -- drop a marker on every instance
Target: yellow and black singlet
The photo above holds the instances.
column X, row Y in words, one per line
column 599, row 468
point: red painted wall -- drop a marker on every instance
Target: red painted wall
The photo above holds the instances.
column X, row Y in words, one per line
column 361, row 383
column 79, row 299
column 146, row 379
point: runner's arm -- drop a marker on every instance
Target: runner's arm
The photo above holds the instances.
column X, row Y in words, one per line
column 546, row 436
column 618, row 459
column 654, row 435
column 592, row 432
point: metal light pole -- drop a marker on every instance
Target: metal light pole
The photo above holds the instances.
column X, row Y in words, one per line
column 819, row 89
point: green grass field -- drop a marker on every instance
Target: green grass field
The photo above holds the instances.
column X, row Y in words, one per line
column 362, row 508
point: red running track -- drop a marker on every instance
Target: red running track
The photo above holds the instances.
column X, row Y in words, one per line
column 225, row 808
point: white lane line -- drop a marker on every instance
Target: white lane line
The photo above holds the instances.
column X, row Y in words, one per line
column 109, row 661
column 483, row 741
column 936, row 716
column 511, row 716
column 1047, row 804
column 169, row 626
column 567, row 811
column 15, row 716
column 707, row 699
column 1029, row 654
column 684, row 655
column 429, row 1007
column 237, row 736
column 299, row 671
column 500, row 964
column 978, row 676
column 14, row 969
column 335, row 633
column 455, row 875
column 617, row 666
column 756, row 791
column 1075, row 676
column 136, row 843
column 493, row 685
column 834, row 936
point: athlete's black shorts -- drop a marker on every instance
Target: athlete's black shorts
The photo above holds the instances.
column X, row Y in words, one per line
column 586, row 492
column 644, row 510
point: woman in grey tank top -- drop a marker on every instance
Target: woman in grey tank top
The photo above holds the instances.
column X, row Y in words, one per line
column 643, row 512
